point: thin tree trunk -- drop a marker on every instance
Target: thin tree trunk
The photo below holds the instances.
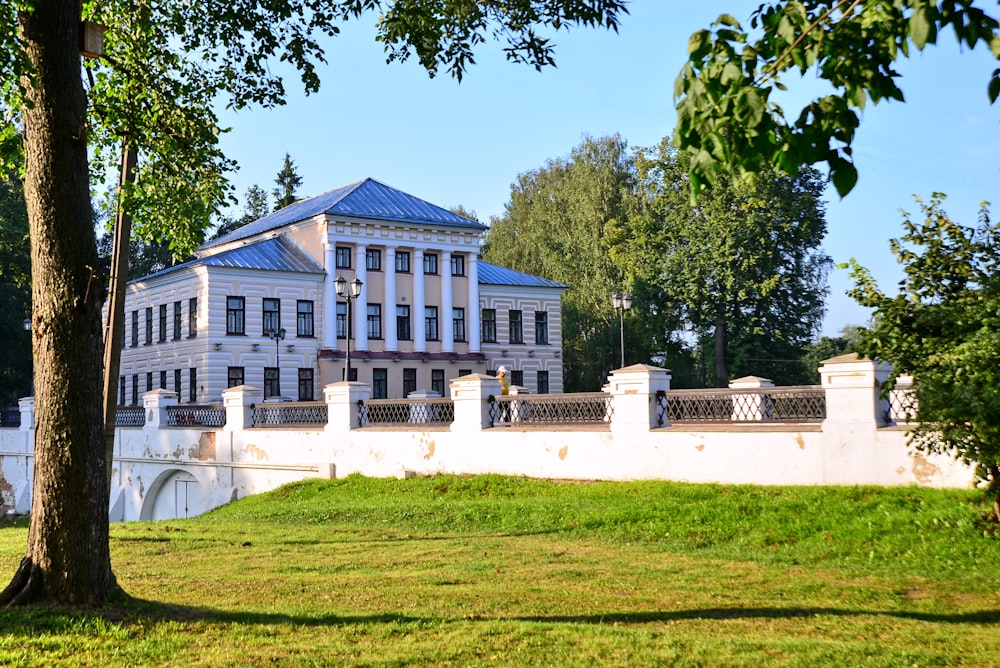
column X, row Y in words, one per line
column 67, row 559
column 721, row 371
column 115, row 333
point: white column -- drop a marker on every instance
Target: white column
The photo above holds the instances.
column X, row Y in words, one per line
column 330, row 296
column 447, row 303
column 389, row 301
column 361, row 303
column 419, row 333
column 472, row 312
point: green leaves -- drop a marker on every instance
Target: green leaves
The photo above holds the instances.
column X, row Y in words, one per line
column 851, row 45
column 942, row 328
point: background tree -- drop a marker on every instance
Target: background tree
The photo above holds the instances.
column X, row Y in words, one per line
column 726, row 120
column 254, row 208
column 15, row 292
column 942, row 328
column 288, row 181
column 562, row 222
column 171, row 62
column 743, row 262
column 847, row 341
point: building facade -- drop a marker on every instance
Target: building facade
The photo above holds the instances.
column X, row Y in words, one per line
column 259, row 306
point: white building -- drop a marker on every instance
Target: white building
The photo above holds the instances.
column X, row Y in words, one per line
column 428, row 310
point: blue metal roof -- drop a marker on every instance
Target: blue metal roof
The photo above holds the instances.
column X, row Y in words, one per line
column 277, row 254
column 491, row 274
column 364, row 199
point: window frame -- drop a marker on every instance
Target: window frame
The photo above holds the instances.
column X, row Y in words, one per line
column 457, row 263
column 403, row 330
column 431, row 264
column 307, row 384
column 135, row 329
column 517, row 377
column 373, row 318
column 193, row 385
column 402, row 262
column 148, row 339
column 342, row 320
column 192, row 317
column 373, row 259
column 235, row 376
column 272, row 382
column 540, row 386
column 488, row 331
column 432, row 329
column 437, row 381
column 380, row 383
column 515, row 326
column 236, row 316
column 541, row 327
column 409, row 381
column 458, row 324
column 177, row 382
column 270, row 318
column 177, row 321
column 342, row 257
column 305, row 319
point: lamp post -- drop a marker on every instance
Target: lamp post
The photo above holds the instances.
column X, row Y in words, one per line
column 277, row 335
column 348, row 292
column 27, row 328
column 622, row 304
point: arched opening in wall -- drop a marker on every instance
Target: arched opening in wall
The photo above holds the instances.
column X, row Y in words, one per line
column 174, row 494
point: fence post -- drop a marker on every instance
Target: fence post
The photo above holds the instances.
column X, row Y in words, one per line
column 237, row 400
column 27, row 408
column 751, row 407
column 155, row 404
column 342, row 404
column 470, row 395
column 635, row 390
column 852, row 387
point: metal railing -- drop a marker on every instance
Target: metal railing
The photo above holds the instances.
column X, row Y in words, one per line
column 805, row 403
column 289, row 414
column 405, row 411
column 196, row 416
column 900, row 407
column 572, row 408
column 130, row 416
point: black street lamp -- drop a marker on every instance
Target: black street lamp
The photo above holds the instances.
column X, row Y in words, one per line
column 622, row 304
column 348, row 292
column 277, row 336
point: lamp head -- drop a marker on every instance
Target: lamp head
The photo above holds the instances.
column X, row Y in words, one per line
column 340, row 285
column 627, row 302
column 356, row 287
column 616, row 300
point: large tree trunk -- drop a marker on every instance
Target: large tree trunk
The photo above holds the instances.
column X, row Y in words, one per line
column 721, row 370
column 67, row 559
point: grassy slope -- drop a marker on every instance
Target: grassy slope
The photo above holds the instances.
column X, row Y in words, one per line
column 511, row 571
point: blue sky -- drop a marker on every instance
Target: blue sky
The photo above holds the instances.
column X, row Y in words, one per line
column 464, row 143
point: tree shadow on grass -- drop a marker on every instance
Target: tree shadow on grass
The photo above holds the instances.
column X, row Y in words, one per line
column 32, row 620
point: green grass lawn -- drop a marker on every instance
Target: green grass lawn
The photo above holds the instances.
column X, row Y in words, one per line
column 510, row 571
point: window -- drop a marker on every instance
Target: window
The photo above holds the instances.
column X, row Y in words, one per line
column 517, row 377
column 341, row 320
column 149, row 381
column 192, row 385
column 464, row 372
column 403, row 323
column 430, row 263
column 541, row 327
column 149, row 325
column 343, row 257
column 163, row 323
column 135, row 328
column 516, row 330
column 135, row 388
column 458, row 322
column 272, row 315
column 354, row 374
column 177, row 382
column 163, row 379
column 234, row 376
column 431, row 323
column 177, row 320
column 458, row 265
column 192, row 317
column 437, row 381
column 374, row 321
column 489, row 325
column 409, row 381
column 380, row 384
column 542, row 382
column 121, row 390
column 403, row 262
column 373, row 259
column 304, row 318
column 235, row 315
column 306, row 392
column 272, row 382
